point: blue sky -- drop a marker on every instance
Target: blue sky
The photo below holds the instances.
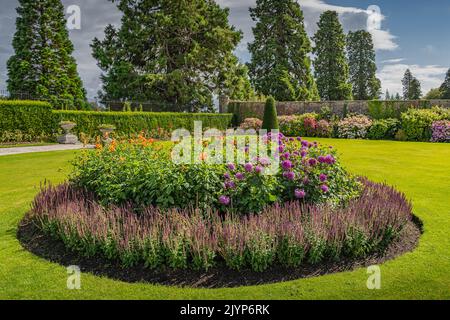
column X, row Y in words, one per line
column 408, row 34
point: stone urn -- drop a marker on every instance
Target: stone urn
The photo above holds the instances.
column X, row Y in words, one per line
column 106, row 131
column 68, row 137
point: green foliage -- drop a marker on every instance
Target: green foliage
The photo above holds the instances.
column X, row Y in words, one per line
column 330, row 66
column 26, row 121
column 435, row 94
column 411, row 86
column 280, row 65
column 445, row 87
column 270, row 120
column 384, row 129
column 179, row 53
column 416, row 123
column 132, row 123
column 386, row 109
column 42, row 64
column 363, row 68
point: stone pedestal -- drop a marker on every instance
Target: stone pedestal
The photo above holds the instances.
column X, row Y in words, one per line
column 68, row 139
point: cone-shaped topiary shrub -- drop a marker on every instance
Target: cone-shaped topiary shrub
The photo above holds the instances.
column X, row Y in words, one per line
column 270, row 115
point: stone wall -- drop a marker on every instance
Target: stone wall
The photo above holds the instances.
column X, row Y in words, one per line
column 246, row 109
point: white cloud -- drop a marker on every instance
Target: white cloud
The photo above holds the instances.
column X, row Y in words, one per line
column 382, row 39
column 430, row 76
column 391, row 61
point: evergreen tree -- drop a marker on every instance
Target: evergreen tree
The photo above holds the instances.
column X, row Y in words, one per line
column 387, row 96
column 361, row 55
column 445, row 87
column 179, row 53
column 280, row 64
column 397, row 97
column 42, row 65
column 270, row 120
column 411, row 86
column 330, row 65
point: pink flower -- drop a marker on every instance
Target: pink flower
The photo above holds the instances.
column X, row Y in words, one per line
column 248, row 167
column 300, row 194
column 323, row 177
column 224, row 200
column 325, row 188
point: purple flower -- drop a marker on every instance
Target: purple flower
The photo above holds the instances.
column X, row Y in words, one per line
column 303, row 153
column 230, row 185
column 231, row 167
column 325, row 188
column 305, row 143
column 323, row 177
column 286, row 155
column 224, row 200
column 264, row 161
column 240, row 176
column 329, row 159
column 321, row 159
column 248, row 167
column 286, row 164
column 300, row 194
column 312, row 162
column 227, row 176
column 306, row 181
column 289, row 175
column 259, row 169
column 281, row 148
column 299, row 139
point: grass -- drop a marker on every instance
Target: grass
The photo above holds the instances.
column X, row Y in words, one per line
column 421, row 170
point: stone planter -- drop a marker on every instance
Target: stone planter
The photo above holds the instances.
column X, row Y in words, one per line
column 68, row 138
column 107, row 134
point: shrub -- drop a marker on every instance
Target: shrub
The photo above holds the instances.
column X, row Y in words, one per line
column 129, row 124
column 384, row 129
column 299, row 125
column 152, row 178
column 270, row 121
column 354, row 127
column 251, row 123
column 416, row 123
column 26, row 121
column 324, row 129
column 289, row 235
column 441, row 131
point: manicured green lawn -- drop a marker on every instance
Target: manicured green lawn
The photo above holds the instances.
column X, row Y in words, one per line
column 6, row 146
column 420, row 170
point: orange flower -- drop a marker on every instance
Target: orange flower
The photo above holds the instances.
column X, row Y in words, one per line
column 203, row 156
column 98, row 146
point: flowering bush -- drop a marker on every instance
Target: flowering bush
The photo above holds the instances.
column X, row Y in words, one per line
column 441, row 131
column 354, row 127
column 290, row 234
column 416, row 123
column 324, row 129
column 251, row 123
column 299, row 125
column 141, row 172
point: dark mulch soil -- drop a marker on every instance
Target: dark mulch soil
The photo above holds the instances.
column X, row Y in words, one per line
column 43, row 246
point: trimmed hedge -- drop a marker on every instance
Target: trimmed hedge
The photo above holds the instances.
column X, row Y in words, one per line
column 35, row 120
column 129, row 123
column 31, row 118
column 416, row 123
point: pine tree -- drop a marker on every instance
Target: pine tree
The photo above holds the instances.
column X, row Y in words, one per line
column 445, row 87
column 179, row 53
column 330, row 65
column 42, row 65
column 363, row 68
column 411, row 86
column 280, row 65
column 387, row 96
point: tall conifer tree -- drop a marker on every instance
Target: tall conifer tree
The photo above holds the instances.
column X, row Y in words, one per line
column 42, row 65
column 330, row 64
column 280, row 65
column 363, row 68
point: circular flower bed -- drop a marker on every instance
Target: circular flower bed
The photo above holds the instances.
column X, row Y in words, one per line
column 129, row 204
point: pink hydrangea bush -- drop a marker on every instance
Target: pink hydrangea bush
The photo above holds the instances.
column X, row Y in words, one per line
column 251, row 123
column 354, row 127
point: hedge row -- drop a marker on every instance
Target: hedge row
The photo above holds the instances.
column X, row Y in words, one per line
column 37, row 120
column 31, row 118
column 128, row 123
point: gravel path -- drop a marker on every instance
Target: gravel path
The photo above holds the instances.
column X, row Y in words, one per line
column 56, row 147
